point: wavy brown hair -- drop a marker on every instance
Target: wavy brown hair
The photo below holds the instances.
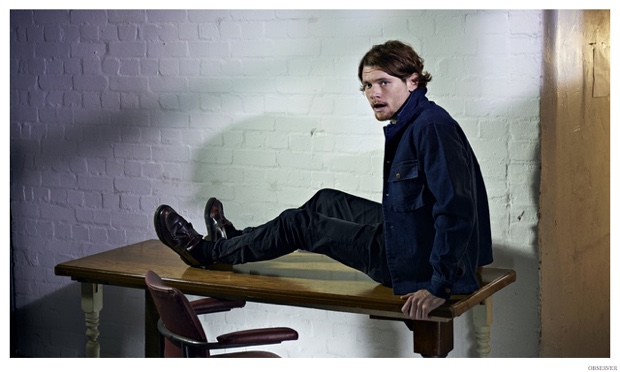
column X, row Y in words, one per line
column 397, row 59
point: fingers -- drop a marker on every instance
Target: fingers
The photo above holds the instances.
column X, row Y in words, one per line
column 406, row 308
column 419, row 304
column 415, row 308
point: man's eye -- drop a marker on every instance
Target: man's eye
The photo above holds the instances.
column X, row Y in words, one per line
column 383, row 83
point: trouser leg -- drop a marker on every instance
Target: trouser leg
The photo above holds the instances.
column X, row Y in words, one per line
column 343, row 227
column 338, row 204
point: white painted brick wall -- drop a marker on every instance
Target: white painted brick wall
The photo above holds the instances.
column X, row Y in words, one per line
column 115, row 112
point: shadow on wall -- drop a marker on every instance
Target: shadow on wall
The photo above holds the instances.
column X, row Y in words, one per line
column 516, row 315
column 55, row 319
column 91, row 178
column 67, row 182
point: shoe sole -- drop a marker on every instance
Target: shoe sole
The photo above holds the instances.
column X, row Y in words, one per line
column 182, row 252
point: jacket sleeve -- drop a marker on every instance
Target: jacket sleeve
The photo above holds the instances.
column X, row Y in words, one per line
column 446, row 159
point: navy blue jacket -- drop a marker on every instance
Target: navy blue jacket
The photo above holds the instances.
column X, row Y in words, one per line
column 437, row 228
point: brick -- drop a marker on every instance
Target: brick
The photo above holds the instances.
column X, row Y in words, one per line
column 209, row 31
column 89, row 33
column 255, row 158
column 128, row 84
column 91, row 17
column 484, row 23
column 127, row 49
column 170, row 153
column 132, row 151
column 84, row 215
column 21, row 17
column 51, row 16
column 258, row 48
column 245, row 15
column 168, row 84
column 90, row 83
column 126, row 16
column 108, row 33
column 130, row 202
column 34, row 33
column 110, row 66
column 201, row 16
column 132, row 185
column 57, row 213
column 94, row 183
column 52, row 49
column 135, row 221
column 166, row 15
column 88, row 50
column 72, row 99
column 127, row 32
column 91, row 100
column 130, row 101
column 298, row 161
column 188, row 31
column 70, row 33
column 23, row 82
column 129, row 67
column 167, row 49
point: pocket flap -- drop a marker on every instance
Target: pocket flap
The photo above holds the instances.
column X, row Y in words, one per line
column 402, row 171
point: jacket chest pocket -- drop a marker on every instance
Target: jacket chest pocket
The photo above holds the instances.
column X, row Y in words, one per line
column 405, row 187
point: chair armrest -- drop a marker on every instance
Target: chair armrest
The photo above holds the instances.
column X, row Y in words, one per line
column 254, row 337
column 261, row 336
column 214, row 305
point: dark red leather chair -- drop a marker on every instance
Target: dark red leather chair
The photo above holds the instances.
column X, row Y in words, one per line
column 184, row 335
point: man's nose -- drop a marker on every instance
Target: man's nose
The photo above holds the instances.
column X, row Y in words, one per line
column 374, row 92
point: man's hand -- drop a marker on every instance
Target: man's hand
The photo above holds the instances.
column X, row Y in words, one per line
column 419, row 304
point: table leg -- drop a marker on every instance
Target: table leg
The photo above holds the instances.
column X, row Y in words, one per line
column 92, row 303
column 483, row 317
column 433, row 339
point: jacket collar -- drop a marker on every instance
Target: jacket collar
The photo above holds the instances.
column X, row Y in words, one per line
column 411, row 107
column 407, row 113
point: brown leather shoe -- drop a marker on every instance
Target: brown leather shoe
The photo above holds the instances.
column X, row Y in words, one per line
column 178, row 234
column 218, row 227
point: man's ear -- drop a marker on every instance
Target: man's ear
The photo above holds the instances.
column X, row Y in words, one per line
column 412, row 82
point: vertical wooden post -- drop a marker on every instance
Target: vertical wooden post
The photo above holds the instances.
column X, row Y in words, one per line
column 433, row 339
column 483, row 317
column 92, row 303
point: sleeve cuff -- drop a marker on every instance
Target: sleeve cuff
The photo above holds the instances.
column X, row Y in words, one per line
column 440, row 288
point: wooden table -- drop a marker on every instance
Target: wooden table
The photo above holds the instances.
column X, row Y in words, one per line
column 298, row 279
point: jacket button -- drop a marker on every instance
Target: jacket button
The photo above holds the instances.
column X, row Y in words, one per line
column 397, row 176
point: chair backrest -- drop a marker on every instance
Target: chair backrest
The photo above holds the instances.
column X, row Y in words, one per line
column 176, row 313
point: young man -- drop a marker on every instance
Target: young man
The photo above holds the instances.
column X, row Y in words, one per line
column 426, row 239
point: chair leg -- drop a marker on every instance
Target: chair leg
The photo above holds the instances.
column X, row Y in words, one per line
column 153, row 341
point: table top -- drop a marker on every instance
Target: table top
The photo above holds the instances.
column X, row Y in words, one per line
column 297, row 279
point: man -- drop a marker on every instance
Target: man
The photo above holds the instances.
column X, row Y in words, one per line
column 426, row 239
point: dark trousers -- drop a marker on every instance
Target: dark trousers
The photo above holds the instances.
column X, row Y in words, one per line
column 344, row 227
